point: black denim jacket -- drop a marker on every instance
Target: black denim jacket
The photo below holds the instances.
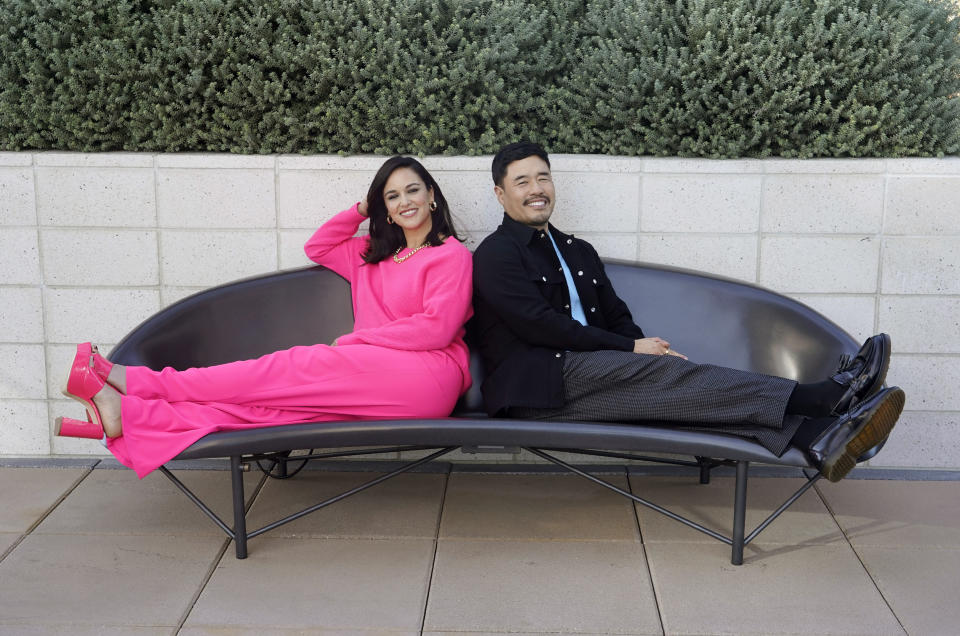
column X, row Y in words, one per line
column 522, row 323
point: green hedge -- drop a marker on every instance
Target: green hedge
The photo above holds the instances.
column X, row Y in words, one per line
column 709, row 78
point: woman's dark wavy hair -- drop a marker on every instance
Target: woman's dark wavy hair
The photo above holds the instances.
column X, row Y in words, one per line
column 385, row 238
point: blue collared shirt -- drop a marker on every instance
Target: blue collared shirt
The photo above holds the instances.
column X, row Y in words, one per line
column 576, row 307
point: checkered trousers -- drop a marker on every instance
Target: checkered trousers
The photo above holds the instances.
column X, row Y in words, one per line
column 621, row 386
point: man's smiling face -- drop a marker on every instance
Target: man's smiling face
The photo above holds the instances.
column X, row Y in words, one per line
column 527, row 193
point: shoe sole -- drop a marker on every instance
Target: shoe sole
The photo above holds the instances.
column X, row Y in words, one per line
column 874, row 430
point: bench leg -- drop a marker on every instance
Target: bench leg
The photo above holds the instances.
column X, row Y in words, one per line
column 705, row 468
column 739, row 512
column 239, row 507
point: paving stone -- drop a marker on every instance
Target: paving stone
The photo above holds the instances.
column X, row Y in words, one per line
column 404, row 506
column 925, row 602
column 810, row 589
column 579, row 633
column 94, row 580
column 881, row 513
column 806, row 522
column 7, row 539
column 116, row 502
column 28, row 493
column 319, row 584
column 541, row 587
column 535, row 507
column 72, row 629
column 235, row 630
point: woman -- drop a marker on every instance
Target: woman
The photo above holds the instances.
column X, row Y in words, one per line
column 411, row 288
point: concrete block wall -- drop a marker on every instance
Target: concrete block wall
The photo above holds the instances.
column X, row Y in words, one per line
column 92, row 244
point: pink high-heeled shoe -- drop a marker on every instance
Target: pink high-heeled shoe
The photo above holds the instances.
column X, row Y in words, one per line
column 69, row 427
column 101, row 366
column 83, row 383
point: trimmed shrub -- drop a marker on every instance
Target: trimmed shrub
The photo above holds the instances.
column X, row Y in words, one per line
column 70, row 73
column 791, row 78
column 711, row 78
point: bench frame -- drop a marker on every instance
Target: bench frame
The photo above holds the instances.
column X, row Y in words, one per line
column 239, row 464
column 750, row 328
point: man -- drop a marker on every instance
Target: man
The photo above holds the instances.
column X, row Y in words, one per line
column 558, row 343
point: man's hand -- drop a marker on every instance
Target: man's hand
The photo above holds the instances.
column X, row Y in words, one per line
column 655, row 346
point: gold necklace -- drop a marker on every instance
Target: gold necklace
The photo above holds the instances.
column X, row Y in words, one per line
column 398, row 259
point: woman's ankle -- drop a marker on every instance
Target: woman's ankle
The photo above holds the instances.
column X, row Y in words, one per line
column 118, row 378
column 108, row 402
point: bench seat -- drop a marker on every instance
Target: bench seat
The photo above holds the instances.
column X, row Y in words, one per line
column 711, row 319
column 490, row 432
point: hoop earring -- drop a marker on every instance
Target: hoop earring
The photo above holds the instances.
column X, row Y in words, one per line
column 433, row 206
column 389, row 219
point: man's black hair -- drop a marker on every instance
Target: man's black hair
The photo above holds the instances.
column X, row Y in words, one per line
column 515, row 152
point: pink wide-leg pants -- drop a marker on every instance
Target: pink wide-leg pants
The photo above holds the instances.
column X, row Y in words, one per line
column 166, row 411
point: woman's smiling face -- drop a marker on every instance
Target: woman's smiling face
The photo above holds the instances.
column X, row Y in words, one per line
column 408, row 201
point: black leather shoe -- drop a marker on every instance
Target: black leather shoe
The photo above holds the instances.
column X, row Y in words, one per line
column 863, row 374
column 836, row 450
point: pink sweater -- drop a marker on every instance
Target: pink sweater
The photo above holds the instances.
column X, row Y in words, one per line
column 418, row 305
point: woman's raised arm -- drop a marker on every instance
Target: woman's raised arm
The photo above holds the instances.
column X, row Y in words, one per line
column 334, row 245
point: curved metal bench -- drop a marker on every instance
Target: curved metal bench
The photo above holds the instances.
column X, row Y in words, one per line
column 709, row 318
